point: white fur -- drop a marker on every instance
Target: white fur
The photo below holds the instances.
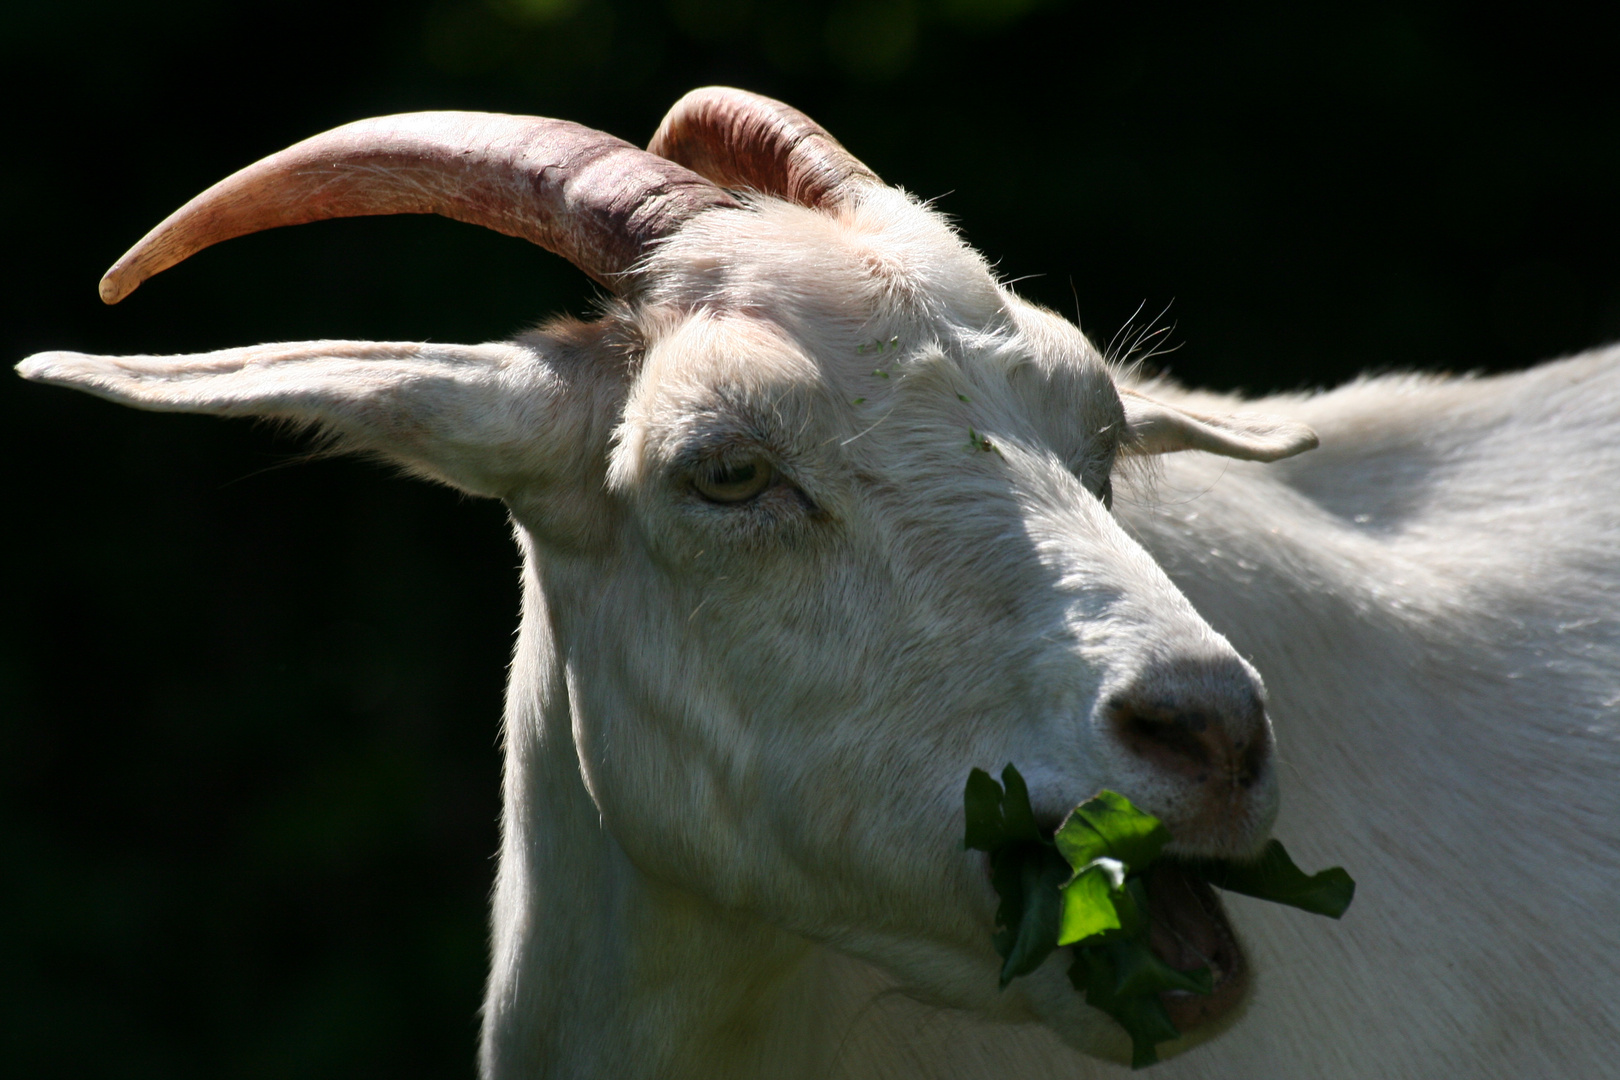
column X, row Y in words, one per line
column 737, row 736
column 1434, row 598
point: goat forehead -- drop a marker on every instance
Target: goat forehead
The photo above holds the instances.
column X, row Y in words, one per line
column 862, row 347
column 854, row 287
column 712, row 355
column 903, row 408
column 712, row 368
column 883, row 262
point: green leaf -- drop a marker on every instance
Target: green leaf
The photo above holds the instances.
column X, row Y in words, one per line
column 1088, row 902
column 1274, row 877
column 1025, row 869
column 1016, row 811
column 1096, row 972
column 1107, row 825
column 1007, row 877
column 995, row 820
column 1031, row 929
column 981, row 804
column 1138, row 970
column 1132, row 908
column 1101, row 909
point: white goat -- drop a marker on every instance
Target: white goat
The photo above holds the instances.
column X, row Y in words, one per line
column 814, row 522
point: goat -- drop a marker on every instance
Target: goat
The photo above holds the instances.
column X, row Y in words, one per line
column 818, row 516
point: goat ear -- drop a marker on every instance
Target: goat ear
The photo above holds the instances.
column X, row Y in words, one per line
column 1152, row 427
column 483, row 418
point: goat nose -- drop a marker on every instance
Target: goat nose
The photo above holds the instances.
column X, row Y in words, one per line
column 1202, row 723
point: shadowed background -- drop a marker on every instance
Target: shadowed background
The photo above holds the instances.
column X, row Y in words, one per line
column 249, row 702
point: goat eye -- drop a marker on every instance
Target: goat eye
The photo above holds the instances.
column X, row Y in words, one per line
column 733, row 483
column 1106, row 493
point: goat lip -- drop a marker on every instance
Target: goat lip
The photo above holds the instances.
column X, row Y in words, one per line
column 1189, row 929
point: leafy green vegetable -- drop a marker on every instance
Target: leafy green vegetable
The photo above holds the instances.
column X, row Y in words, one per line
column 1083, row 887
column 1108, row 826
column 1030, row 914
column 995, row 819
column 1088, row 905
column 1103, row 973
column 1274, row 877
column 1025, row 869
column 1138, row 970
column 1073, row 889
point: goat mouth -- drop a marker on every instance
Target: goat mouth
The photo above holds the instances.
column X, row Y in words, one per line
column 1188, row 929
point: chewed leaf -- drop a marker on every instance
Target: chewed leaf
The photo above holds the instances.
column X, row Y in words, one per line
column 986, row 830
column 1108, row 825
column 1096, row 972
column 1034, row 936
column 1274, row 877
column 1025, row 869
column 1016, row 811
column 1132, row 907
column 1088, row 902
column 995, row 819
column 1101, row 909
column 1138, row 970
column 1079, row 842
column 1007, row 878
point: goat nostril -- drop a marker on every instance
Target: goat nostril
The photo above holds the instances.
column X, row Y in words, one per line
column 1252, row 762
column 1175, row 741
column 1190, row 743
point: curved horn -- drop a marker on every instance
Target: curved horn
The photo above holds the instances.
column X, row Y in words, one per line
column 593, row 199
column 743, row 140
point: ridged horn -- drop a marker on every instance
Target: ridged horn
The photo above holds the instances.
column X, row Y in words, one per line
column 742, row 140
column 593, row 199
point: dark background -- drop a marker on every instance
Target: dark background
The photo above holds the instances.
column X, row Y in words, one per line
column 248, row 731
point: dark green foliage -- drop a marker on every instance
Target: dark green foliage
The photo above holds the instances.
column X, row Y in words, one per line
column 1083, row 887
column 1274, row 877
column 1107, row 825
column 1025, row 868
column 1101, row 971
